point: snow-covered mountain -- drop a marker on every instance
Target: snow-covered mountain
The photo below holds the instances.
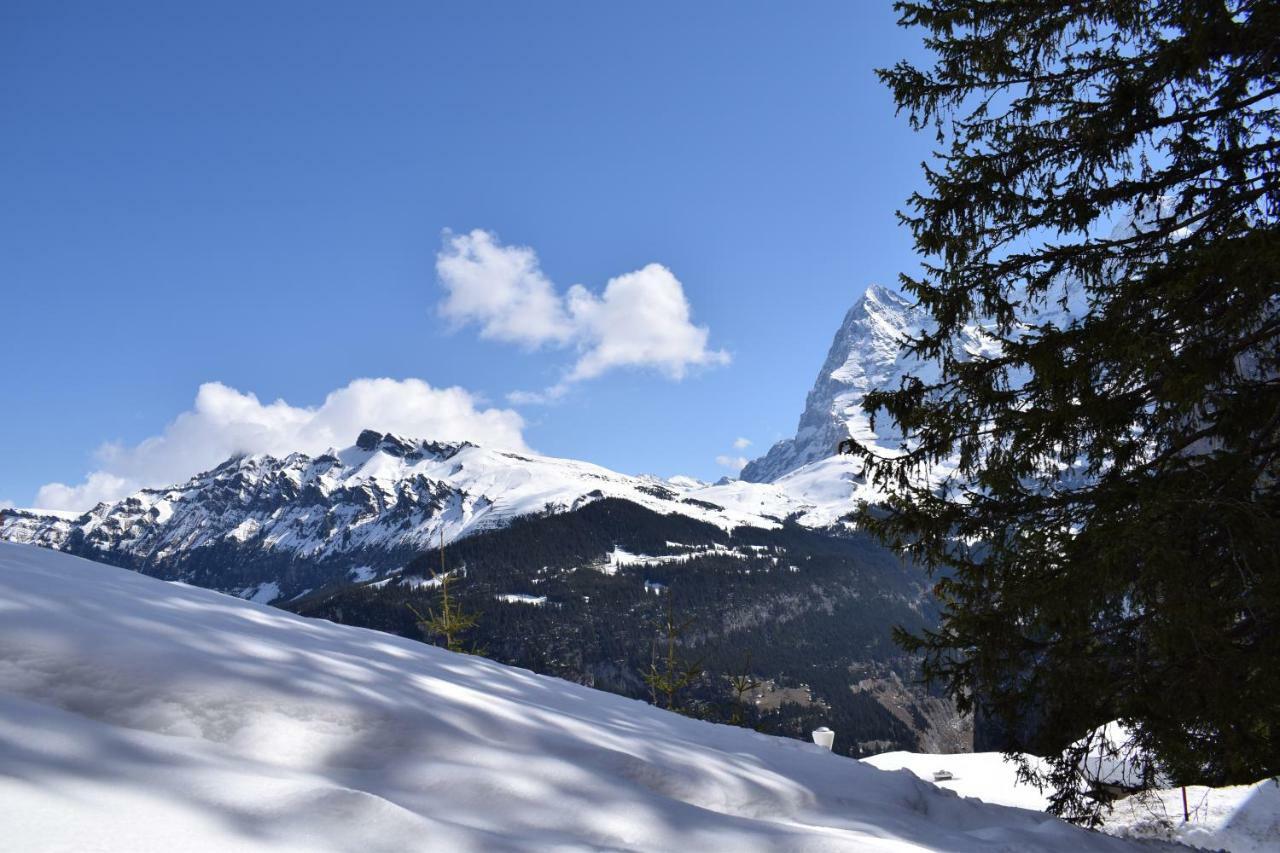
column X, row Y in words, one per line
column 864, row 356
column 389, row 496
column 142, row 716
column 344, row 535
column 383, row 495
column 386, row 498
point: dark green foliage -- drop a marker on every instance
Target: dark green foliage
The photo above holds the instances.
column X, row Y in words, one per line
column 670, row 673
column 1113, row 528
column 449, row 621
column 741, row 683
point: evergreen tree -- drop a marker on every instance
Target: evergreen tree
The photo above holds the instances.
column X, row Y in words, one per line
column 1098, row 486
column 451, row 620
column 741, row 684
column 670, row 674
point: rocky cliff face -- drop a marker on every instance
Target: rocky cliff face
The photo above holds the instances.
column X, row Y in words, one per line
column 864, row 356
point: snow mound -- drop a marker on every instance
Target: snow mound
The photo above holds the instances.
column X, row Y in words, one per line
column 1112, row 759
column 137, row 715
column 1238, row 819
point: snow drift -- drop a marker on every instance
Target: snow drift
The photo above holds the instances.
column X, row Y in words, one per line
column 1237, row 818
column 139, row 715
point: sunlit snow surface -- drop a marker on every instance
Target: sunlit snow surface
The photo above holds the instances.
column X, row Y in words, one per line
column 1240, row 819
column 985, row 775
column 137, row 715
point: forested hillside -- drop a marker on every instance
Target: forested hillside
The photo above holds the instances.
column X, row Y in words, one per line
column 582, row 595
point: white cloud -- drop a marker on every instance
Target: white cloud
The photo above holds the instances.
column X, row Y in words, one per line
column 502, row 289
column 6, row 505
column 225, row 421
column 640, row 319
column 99, row 486
column 733, row 463
column 538, row 398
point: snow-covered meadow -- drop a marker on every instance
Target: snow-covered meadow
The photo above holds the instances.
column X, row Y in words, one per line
column 137, row 715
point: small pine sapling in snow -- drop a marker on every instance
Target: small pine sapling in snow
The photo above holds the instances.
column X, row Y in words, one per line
column 451, row 621
column 670, row 674
column 742, row 685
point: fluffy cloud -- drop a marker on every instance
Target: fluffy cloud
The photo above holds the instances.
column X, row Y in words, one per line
column 224, row 421
column 99, row 486
column 733, row 463
column 640, row 319
column 502, row 289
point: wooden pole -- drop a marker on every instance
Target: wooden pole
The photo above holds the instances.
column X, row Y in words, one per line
column 1186, row 815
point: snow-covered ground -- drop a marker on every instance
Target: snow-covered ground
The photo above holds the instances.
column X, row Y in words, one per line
column 137, row 715
column 985, row 775
column 1240, row 819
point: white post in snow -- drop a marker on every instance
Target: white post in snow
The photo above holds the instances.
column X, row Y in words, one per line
column 823, row 736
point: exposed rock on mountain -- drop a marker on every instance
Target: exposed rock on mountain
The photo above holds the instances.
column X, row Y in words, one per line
column 864, row 356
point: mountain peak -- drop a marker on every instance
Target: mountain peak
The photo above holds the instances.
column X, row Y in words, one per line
column 865, row 355
column 878, row 294
column 401, row 447
column 369, row 440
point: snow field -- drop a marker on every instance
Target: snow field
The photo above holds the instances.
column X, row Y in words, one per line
column 137, row 715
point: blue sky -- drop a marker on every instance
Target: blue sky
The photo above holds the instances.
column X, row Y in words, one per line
column 257, row 195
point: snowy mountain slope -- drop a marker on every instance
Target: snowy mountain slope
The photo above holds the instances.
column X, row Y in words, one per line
column 138, row 715
column 351, row 535
column 817, row 494
column 864, row 356
column 373, row 503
